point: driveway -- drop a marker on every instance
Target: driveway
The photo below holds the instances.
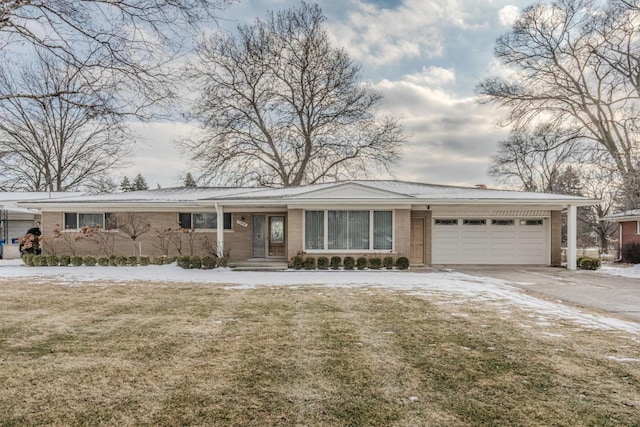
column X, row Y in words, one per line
column 617, row 295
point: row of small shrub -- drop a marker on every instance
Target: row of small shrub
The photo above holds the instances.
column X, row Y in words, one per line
column 588, row 263
column 630, row 253
column 113, row 260
column 299, row 262
column 205, row 263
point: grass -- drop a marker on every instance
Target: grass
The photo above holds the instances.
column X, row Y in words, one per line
column 175, row 354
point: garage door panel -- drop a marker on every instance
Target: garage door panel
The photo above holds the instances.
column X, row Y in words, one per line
column 515, row 243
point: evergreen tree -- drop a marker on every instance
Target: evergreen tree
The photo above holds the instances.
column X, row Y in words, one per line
column 189, row 181
column 125, row 184
column 139, row 183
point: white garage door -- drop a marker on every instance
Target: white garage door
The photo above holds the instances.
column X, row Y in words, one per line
column 490, row 241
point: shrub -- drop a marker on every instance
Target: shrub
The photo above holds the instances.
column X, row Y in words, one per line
column 39, row 260
column 28, row 259
column 113, row 260
column 145, row 260
column 52, row 261
column 157, row 260
column 170, row 260
column 121, row 260
column 361, row 263
column 323, row 263
column 132, row 260
column 89, row 261
column 375, row 263
column 587, row 263
column 349, row 262
column 387, row 262
column 65, row 260
column 103, row 261
column 196, row 262
column 296, row 262
column 184, row 261
column 335, row 262
column 222, row 262
column 402, row 263
column 309, row 263
column 208, row 262
column 76, row 261
column 631, row 253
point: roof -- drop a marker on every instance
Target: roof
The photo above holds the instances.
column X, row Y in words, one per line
column 630, row 215
column 357, row 192
column 9, row 199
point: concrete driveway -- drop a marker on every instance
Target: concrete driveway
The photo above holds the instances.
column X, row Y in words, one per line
column 616, row 295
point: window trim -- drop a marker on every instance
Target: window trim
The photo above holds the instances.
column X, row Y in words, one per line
column 191, row 214
column 325, row 219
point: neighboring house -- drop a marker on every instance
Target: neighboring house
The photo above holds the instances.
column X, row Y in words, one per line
column 629, row 226
column 429, row 224
column 15, row 220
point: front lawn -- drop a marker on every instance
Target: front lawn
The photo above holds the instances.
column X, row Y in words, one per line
column 195, row 354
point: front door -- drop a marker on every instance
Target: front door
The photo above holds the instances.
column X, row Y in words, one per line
column 268, row 236
column 417, row 241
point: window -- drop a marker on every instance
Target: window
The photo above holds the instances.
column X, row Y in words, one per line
column 203, row 220
column 531, row 222
column 446, row 222
column 502, row 222
column 348, row 230
column 474, row 222
column 74, row 220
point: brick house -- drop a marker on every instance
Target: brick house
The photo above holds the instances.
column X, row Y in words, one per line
column 429, row 224
column 629, row 226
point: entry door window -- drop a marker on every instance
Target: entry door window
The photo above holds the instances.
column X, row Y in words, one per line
column 276, row 236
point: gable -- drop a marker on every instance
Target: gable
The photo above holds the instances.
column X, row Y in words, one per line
column 350, row 191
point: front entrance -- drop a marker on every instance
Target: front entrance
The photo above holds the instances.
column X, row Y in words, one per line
column 268, row 236
column 417, row 241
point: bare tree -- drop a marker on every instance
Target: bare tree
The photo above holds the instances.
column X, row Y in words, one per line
column 575, row 63
column 280, row 106
column 57, row 143
column 133, row 224
column 535, row 160
column 126, row 43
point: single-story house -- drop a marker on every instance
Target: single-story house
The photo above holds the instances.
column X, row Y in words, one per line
column 629, row 226
column 15, row 220
column 429, row 224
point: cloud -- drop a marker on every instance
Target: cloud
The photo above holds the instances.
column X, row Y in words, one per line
column 508, row 15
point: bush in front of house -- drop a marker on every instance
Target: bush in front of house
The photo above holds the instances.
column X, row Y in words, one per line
column 631, row 253
column 208, row 262
column 375, row 263
column 145, row 260
column 588, row 263
column 402, row 263
column 309, row 263
column 89, row 261
column 103, row 261
column 297, row 262
column 323, row 263
column 361, row 263
column 28, row 259
column 196, row 262
column 349, row 262
column 387, row 262
column 76, row 261
column 132, row 261
column 39, row 260
column 184, row 261
column 222, row 262
column 52, row 261
column 335, row 262
column 65, row 260
column 121, row 261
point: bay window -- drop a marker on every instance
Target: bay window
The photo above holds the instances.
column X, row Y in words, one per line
column 346, row 230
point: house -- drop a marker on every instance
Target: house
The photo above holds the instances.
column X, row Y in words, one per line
column 629, row 226
column 15, row 220
column 429, row 224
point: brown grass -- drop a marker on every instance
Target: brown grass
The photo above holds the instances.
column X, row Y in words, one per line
column 170, row 354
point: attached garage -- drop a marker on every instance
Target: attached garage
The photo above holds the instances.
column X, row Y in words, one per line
column 515, row 239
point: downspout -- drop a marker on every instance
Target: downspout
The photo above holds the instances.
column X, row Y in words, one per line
column 219, row 230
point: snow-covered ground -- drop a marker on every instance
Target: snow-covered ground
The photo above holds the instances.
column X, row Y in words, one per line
column 446, row 286
column 632, row 271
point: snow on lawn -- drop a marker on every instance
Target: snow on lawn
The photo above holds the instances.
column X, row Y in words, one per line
column 614, row 270
column 450, row 285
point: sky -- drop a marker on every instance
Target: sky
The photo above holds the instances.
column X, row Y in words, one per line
column 424, row 56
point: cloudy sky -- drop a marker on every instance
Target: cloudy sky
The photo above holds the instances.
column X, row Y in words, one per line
column 424, row 56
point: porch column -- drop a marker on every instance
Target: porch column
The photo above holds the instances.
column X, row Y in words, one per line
column 219, row 230
column 571, row 237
